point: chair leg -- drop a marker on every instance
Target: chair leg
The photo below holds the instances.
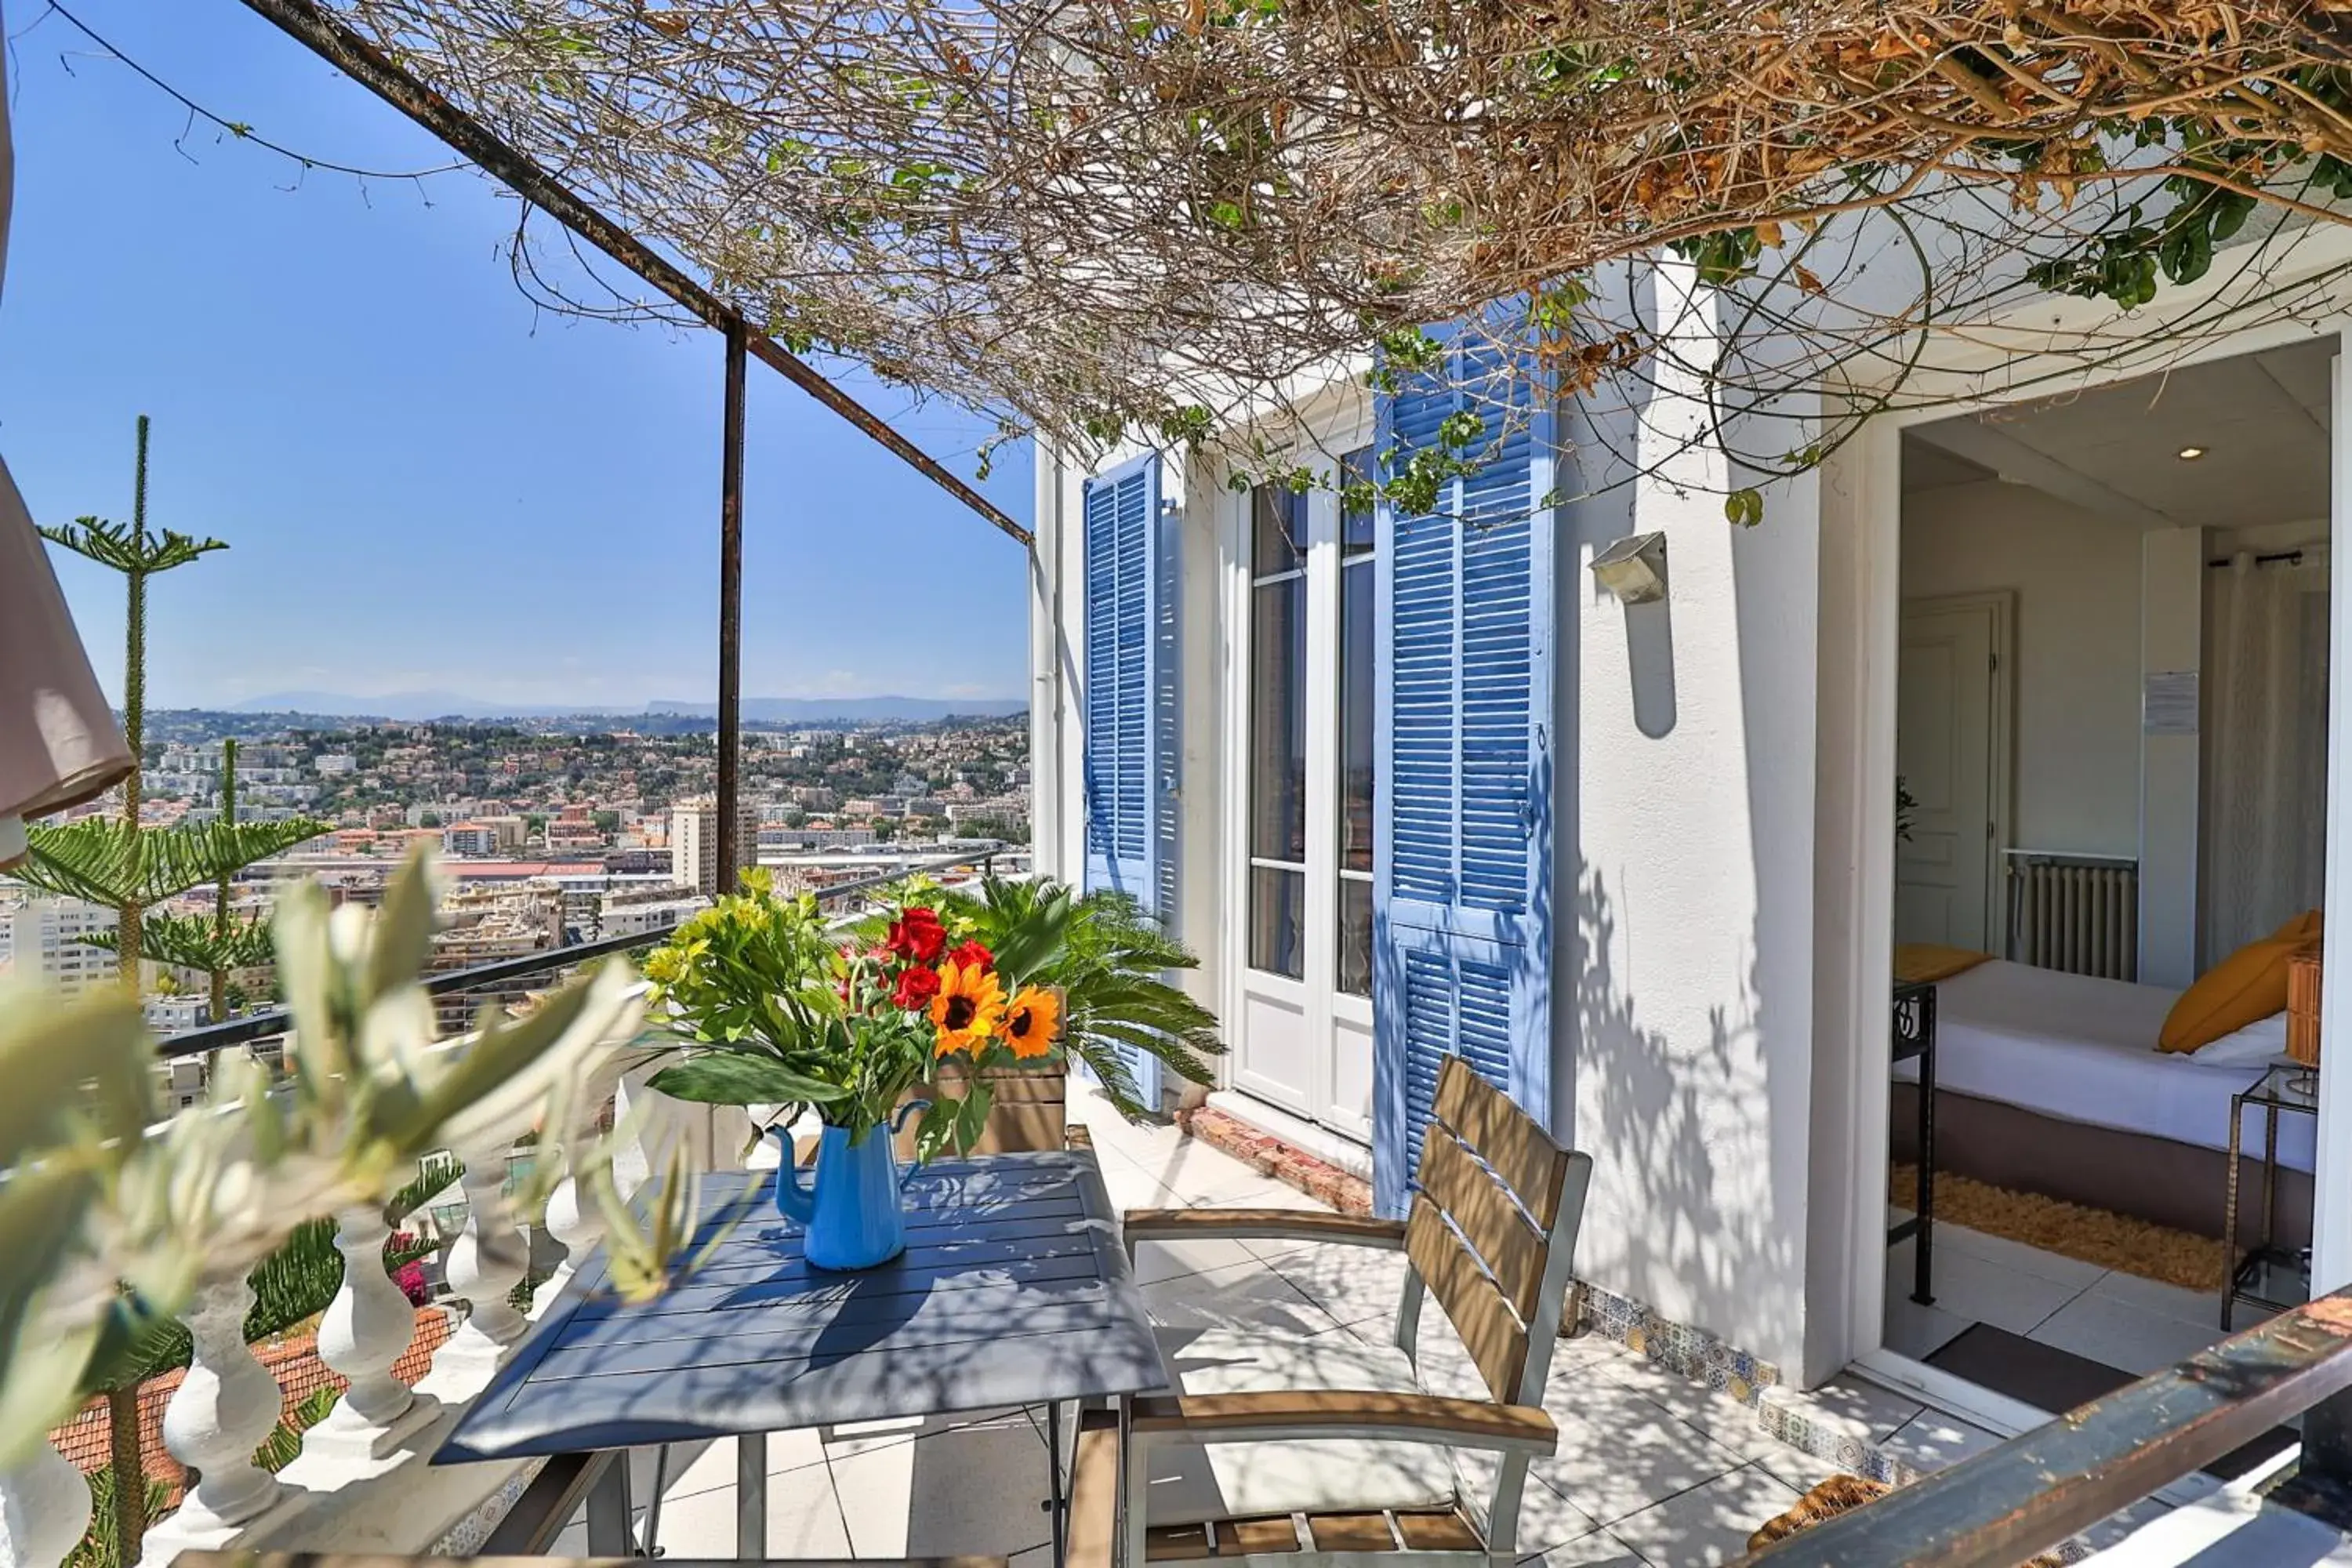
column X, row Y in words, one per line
column 1503, row 1519
column 1134, row 1484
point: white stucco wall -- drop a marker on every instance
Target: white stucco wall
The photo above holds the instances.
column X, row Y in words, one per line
column 2076, row 683
column 1686, row 1030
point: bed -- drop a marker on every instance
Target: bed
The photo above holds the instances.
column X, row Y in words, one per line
column 2051, row 1082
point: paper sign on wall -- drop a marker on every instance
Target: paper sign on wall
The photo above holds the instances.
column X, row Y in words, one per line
column 2167, row 704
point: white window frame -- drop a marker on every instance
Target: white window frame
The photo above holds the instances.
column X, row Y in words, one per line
column 1324, row 1010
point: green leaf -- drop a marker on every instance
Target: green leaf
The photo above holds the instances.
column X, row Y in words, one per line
column 742, row 1077
column 103, row 860
column 1025, row 947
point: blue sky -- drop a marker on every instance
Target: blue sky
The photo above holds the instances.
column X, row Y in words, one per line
column 427, row 483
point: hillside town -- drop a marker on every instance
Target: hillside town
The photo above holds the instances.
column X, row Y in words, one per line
column 547, row 839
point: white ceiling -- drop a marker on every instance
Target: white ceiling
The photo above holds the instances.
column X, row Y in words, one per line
column 2262, row 418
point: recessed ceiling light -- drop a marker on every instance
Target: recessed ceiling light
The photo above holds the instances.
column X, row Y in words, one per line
column 2190, row 454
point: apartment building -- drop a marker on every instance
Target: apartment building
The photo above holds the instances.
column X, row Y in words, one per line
column 694, row 842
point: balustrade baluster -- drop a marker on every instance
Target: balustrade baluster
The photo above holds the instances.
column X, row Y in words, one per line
column 225, row 1407
column 366, row 1328
column 44, row 1509
column 579, row 1224
column 487, row 1261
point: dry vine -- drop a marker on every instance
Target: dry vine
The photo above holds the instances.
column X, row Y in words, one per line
column 1092, row 217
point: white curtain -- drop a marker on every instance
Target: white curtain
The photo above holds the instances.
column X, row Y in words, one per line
column 2266, row 838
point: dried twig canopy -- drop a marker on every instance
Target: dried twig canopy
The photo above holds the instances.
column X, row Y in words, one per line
column 1089, row 214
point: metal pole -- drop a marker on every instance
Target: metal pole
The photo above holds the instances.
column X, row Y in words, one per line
column 327, row 36
column 730, row 611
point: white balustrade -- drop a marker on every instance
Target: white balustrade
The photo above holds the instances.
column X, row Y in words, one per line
column 227, row 1404
column 487, row 1261
column 579, row 1224
column 366, row 1328
column 44, row 1508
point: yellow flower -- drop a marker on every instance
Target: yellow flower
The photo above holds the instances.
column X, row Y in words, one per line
column 969, row 1009
column 1031, row 1021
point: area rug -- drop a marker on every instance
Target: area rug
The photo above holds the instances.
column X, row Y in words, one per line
column 2089, row 1236
column 2048, row 1378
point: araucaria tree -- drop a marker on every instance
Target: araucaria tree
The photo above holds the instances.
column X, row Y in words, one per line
column 130, row 869
column 122, row 865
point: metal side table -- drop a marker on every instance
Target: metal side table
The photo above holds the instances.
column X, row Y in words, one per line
column 2267, row 1275
column 1913, row 1036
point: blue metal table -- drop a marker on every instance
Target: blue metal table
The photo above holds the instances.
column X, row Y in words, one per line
column 1014, row 1291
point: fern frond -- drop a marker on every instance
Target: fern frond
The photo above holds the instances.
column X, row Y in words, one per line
column 129, row 549
column 103, row 860
column 194, row 942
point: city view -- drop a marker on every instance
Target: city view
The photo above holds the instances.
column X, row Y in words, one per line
column 549, row 832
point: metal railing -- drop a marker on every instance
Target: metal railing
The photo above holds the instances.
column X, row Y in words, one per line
column 278, row 1020
column 2044, row 1487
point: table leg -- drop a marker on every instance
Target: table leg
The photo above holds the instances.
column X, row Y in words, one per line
column 2230, row 1213
column 1922, row 1246
column 2270, row 1176
column 1056, row 1502
column 752, row 1497
column 609, row 1509
column 651, row 1547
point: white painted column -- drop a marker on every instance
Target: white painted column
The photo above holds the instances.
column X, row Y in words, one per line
column 1047, row 693
column 2331, row 1218
column 44, row 1508
column 224, row 1408
column 365, row 1331
column 2171, row 639
column 487, row 1261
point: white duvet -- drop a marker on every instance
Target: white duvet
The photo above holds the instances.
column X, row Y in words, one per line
column 2084, row 1049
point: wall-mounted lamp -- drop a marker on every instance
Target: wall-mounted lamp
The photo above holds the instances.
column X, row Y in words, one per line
column 1634, row 568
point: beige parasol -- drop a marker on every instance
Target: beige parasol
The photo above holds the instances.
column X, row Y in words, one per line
column 58, row 741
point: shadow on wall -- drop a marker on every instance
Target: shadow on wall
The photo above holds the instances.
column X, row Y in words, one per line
column 1695, row 1112
column 1686, row 1133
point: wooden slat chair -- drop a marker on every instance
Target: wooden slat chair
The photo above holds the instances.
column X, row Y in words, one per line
column 1273, row 1448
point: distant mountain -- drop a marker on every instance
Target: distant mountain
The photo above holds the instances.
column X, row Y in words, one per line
column 816, row 709
column 421, row 705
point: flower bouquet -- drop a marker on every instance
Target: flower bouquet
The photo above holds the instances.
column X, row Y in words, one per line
column 774, row 1007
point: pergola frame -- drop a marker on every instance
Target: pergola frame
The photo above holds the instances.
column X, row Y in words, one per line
column 349, row 53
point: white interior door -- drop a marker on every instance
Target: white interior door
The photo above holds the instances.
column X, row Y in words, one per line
column 1944, row 751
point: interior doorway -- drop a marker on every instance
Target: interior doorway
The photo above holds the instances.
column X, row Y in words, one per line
column 1952, row 768
column 2086, row 721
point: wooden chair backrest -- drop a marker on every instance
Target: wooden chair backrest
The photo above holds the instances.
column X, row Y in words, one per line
column 1493, row 1227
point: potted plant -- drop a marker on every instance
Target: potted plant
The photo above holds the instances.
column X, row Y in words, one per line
column 912, row 1012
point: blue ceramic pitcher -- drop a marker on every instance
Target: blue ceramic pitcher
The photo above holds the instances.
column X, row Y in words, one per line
column 851, row 1212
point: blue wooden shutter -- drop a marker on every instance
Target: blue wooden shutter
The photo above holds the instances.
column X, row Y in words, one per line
column 1130, row 701
column 1462, row 861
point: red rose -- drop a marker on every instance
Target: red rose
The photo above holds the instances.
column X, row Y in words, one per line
column 972, row 955
column 917, row 985
column 918, row 936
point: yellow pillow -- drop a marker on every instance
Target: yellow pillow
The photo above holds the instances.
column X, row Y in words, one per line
column 2306, row 926
column 1926, row 961
column 2243, row 988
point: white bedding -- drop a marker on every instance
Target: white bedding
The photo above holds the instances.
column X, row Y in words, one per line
column 2084, row 1049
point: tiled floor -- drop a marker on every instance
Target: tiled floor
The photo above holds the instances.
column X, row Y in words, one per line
column 1654, row 1470
column 2135, row 1325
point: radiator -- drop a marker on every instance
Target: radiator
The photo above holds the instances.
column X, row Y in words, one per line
column 2079, row 913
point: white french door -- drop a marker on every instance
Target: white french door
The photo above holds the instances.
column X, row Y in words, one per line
column 1301, row 634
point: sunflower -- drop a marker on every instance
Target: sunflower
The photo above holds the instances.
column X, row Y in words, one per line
column 1030, row 1021
column 969, row 1009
